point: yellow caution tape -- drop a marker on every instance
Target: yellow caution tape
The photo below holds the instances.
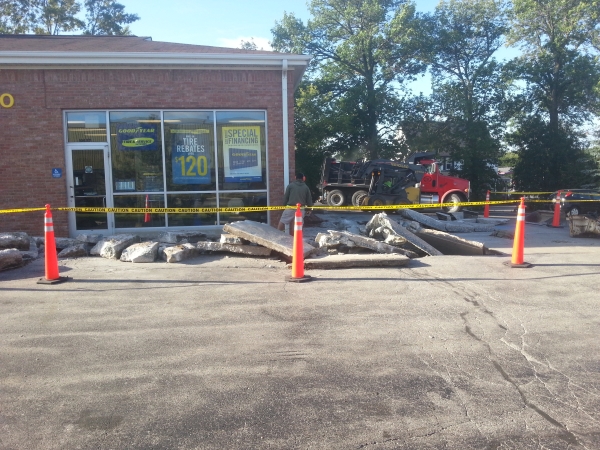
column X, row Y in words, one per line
column 20, row 210
column 273, row 208
column 249, row 208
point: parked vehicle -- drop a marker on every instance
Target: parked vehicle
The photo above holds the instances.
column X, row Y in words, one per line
column 574, row 202
column 349, row 182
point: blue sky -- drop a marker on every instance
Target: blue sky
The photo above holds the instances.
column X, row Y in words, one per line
column 225, row 23
column 221, row 23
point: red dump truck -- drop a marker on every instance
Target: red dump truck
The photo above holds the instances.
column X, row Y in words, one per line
column 354, row 182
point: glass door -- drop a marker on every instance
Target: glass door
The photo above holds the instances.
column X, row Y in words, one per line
column 88, row 184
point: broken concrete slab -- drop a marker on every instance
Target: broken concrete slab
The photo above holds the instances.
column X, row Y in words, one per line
column 364, row 242
column 581, row 226
column 423, row 219
column 15, row 240
column 455, row 226
column 111, row 247
column 382, row 220
column 179, row 253
column 32, row 253
column 362, row 260
column 89, row 238
column 469, row 214
column 62, row 243
column 240, row 249
column 10, row 258
column 463, row 227
column 326, row 240
column 444, row 216
column 75, row 251
column 267, row 236
column 490, row 221
column 144, row 252
column 232, row 239
column 454, row 245
column 181, row 237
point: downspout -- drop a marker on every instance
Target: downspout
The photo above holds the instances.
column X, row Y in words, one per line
column 284, row 105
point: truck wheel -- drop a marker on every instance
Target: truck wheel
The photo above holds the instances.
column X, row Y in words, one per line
column 453, row 198
column 358, row 197
column 376, row 200
column 336, row 198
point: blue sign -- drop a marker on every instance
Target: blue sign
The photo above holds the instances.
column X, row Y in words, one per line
column 56, row 172
column 190, row 156
column 135, row 136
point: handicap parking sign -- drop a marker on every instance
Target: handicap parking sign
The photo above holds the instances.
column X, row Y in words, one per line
column 56, row 172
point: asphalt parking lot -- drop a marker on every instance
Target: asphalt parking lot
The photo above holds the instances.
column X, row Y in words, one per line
column 451, row 352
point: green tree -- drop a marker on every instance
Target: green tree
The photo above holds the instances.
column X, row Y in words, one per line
column 360, row 48
column 509, row 159
column 460, row 39
column 559, row 67
column 103, row 17
column 56, row 16
column 15, row 16
column 560, row 72
column 549, row 159
column 107, row 17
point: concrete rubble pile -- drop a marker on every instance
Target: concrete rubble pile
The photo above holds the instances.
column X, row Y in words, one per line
column 584, row 226
column 16, row 249
column 414, row 235
column 382, row 241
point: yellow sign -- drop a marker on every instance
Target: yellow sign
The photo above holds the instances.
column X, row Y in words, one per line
column 137, row 142
column 7, row 100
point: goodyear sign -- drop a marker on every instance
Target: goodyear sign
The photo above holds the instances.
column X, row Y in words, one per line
column 136, row 136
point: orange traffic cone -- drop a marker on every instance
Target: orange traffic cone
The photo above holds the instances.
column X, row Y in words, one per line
column 556, row 218
column 147, row 215
column 298, row 251
column 486, row 209
column 50, row 258
column 519, row 242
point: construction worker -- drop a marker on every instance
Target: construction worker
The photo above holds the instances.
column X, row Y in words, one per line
column 296, row 192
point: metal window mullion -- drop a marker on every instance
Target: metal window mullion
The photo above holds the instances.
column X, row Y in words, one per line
column 216, row 156
column 164, row 160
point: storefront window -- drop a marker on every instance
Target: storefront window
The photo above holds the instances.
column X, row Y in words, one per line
column 241, row 142
column 127, row 220
column 205, row 159
column 192, row 201
column 86, row 126
column 243, row 199
column 189, row 147
column 136, row 142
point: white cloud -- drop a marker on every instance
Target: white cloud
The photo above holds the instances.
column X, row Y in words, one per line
column 261, row 43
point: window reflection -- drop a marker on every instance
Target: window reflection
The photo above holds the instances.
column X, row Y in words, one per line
column 127, row 220
column 243, row 199
column 192, row 201
column 86, row 126
column 136, row 143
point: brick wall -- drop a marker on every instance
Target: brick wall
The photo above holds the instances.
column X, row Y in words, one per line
column 31, row 132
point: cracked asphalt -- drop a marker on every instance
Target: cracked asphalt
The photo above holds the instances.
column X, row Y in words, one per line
column 221, row 352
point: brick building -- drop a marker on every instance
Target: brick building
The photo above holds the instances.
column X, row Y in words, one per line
column 122, row 121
